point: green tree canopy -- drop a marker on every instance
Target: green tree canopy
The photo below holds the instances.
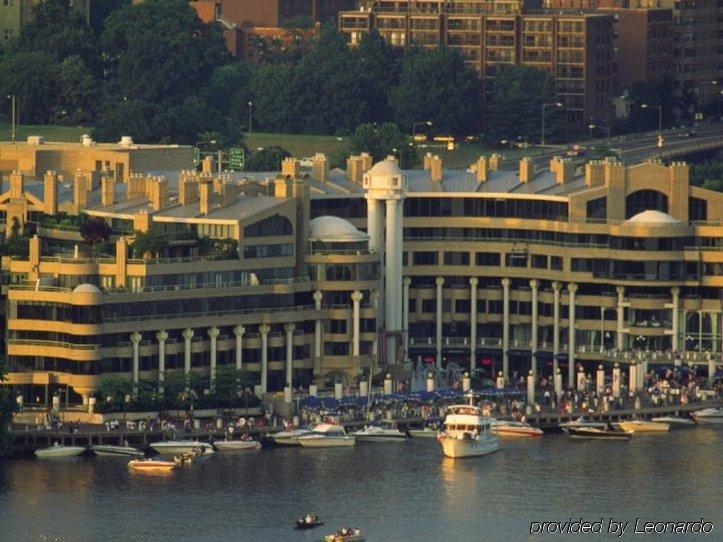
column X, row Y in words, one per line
column 514, row 112
column 384, row 141
column 267, row 159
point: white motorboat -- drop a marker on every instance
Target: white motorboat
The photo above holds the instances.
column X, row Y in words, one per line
column 674, row 421
column 237, row 445
column 709, row 415
column 58, row 451
column 107, row 450
column 509, row 428
column 427, row 432
column 599, row 434
column 582, row 422
column 467, row 433
column 288, row 438
column 381, row 432
column 642, row 426
column 173, row 447
column 326, row 435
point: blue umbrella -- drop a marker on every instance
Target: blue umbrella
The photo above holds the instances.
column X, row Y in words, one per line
column 348, row 400
column 310, row 401
column 330, row 402
column 426, row 395
column 361, row 401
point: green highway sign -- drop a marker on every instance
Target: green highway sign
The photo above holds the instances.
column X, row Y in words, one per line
column 236, row 159
column 196, row 156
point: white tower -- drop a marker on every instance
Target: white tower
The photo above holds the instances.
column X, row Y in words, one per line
column 386, row 183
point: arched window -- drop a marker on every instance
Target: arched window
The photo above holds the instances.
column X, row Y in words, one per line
column 273, row 225
column 645, row 200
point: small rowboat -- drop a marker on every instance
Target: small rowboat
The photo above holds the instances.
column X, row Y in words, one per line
column 598, row 434
column 237, row 445
column 151, row 465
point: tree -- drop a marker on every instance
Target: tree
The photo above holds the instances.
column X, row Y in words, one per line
column 268, row 159
column 377, row 66
column 31, row 76
column 152, row 242
column 436, row 85
column 386, row 140
column 272, row 97
column 8, row 407
column 95, row 231
column 655, row 94
column 514, row 112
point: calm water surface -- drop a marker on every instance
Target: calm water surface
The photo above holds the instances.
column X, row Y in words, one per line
column 391, row 491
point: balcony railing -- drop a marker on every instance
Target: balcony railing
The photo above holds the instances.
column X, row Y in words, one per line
column 142, row 317
column 33, row 342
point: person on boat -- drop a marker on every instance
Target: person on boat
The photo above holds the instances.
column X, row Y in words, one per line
column 357, row 531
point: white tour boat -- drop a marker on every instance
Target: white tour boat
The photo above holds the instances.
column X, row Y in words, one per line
column 173, row 447
column 380, row 432
column 508, row 428
column 642, row 426
column 107, row 450
column 59, row 450
column 237, row 445
column 427, row 432
column 467, row 433
column 674, row 421
column 581, row 423
column 287, row 438
column 326, row 435
column 709, row 415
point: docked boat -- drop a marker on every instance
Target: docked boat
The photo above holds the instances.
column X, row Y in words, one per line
column 582, row 422
column 174, row 447
column 427, row 432
column 467, row 433
column 598, row 434
column 381, row 432
column 508, row 428
column 642, row 426
column 287, row 438
column 237, row 445
column 308, row 522
column 326, row 435
column 674, row 421
column 59, row 450
column 107, row 450
column 709, row 415
column 345, row 535
column 151, row 465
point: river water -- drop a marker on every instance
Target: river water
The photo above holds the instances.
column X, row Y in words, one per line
column 392, row 491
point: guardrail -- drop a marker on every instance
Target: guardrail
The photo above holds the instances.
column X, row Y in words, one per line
column 32, row 342
column 200, row 314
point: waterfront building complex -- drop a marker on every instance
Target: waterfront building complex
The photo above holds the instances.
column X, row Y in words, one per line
column 318, row 275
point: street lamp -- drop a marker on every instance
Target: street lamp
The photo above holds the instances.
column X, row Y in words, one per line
column 11, row 97
column 250, row 108
column 660, row 123
column 544, row 109
column 414, row 126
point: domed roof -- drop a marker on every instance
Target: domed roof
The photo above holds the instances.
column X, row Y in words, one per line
column 385, row 167
column 653, row 218
column 334, row 229
column 86, row 288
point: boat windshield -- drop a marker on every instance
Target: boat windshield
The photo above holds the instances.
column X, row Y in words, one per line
column 464, row 409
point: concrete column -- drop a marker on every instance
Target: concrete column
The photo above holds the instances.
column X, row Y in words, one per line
column 187, row 336
column 633, row 377
column 213, row 335
column 356, row 298
column 375, row 342
column 534, row 284
column 684, row 322
column 580, row 379
column 700, row 331
column 264, row 330
column 239, row 332
column 430, row 382
column 530, row 388
column 363, row 388
column 338, row 390
column 313, row 390
column 506, row 328
column 374, row 223
column 473, row 324
column 558, row 384
column 571, row 288
column 711, row 367
column 135, row 341
column 600, row 380
column 392, row 281
column 556, row 286
column 440, row 302
column 500, row 381
column 317, row 323
column 621, row 311
column 675, row 318
column 616, row 380
column 714, row 331
column 289, row 372
column 405, row 314
column 466, row 382
column 162, row 336
column 388, row 384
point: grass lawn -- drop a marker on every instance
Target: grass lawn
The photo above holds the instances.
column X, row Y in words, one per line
column 50, row 132
column 299, row 145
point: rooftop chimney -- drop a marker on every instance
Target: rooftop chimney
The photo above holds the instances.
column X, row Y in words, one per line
column 428, row 161
column 158, row 193
column 435, row 169
column 527, row 170
column 17, row 180
column 205, row 196
column 565, row 171
column 50, row 193
column 482, row 169
column 366, row 162
column 495, row 162
column 107, row 191
column 321, row 167
column 290, row 167
column 187, row 190
column 208, row 164
column 594, row 172
column 80, row 191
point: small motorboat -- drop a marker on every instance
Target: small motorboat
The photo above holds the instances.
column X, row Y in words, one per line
column 674, row 421
column 151, row 465
column 174, row 447
column 308, row 522
column 345, row 535
column 59, row 450
column 582, row 422
column 709, row 415
column 107, row 450
column 427, row 432
column 467, row 432
column 237, row 445
column 642, row 426
column 599, row 434
column 326, row 435
column 287, row 438
column 508, row 428
column 380, row 432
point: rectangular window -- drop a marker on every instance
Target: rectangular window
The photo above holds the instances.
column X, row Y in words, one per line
column 425, row 258
column 539, row 261
column 429, row 305
column 556, row 263
column 488, row 258
column 461, row 305
column 456, row 258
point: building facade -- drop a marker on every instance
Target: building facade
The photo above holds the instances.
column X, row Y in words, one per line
column 576, row 48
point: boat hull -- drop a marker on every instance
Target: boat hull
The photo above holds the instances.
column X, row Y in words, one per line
column 380, row 438
column 237, row 445
column 151, row 466
column 116, row 451
column 645, row 427
column 327, row 442
column 57, row 452
column 709, row 416
column 421, row 433
column 516, row 432
column 173, row 448
column 674, row 421
column 596, row 434
column 458, row 448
